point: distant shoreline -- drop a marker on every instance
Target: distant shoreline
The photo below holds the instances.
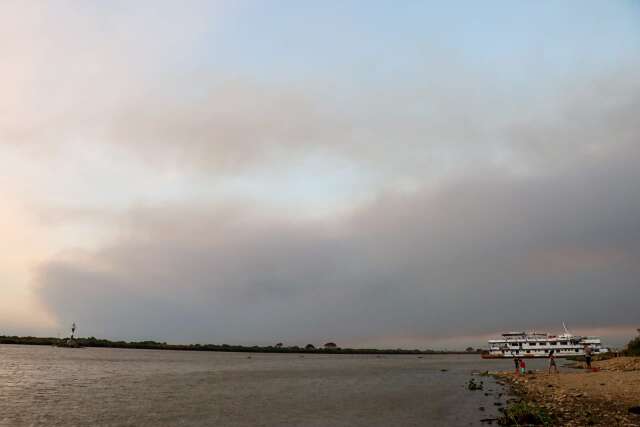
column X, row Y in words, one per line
column 153, row 345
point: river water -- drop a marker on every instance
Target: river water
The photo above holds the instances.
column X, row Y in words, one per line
column 51, row 386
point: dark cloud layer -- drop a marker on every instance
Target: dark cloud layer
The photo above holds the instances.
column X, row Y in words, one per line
column 484, row 252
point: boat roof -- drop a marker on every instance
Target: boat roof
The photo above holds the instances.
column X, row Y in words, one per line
column 520, row 334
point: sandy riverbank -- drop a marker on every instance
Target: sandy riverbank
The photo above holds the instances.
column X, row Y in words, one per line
column 581, row 397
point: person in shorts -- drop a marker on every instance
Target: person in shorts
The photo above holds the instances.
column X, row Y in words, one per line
column 516, row 362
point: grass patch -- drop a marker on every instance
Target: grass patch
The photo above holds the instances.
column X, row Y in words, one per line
column 525, row 414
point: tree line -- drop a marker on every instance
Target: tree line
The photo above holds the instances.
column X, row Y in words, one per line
column 328, row 348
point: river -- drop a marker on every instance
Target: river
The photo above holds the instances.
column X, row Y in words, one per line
column 52, row 386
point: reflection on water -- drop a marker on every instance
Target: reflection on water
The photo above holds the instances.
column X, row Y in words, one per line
column 56, row 386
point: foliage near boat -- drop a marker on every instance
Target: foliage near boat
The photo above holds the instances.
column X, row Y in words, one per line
column 633, row 347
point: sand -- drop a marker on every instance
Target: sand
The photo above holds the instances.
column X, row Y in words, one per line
column 582, row 397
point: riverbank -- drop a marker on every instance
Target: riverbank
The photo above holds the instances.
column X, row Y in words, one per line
column 610, row 396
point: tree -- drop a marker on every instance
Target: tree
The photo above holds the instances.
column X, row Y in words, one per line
column 279, row 345
column 633, row 348
column 330, row 345
column 309, row 347
column 469, row 349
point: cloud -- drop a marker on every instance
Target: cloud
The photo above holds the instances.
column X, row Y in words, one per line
column 125, row 83
column 69, row 67
column 487, row 201
column 485, row 252
column 22, row 247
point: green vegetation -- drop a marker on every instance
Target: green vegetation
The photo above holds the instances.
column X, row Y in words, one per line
column 633, row 347
column 473, row 385
column 153, row 345
column 29, row 340
column 525, row 414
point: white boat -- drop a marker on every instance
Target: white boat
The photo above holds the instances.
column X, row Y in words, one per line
column 536, row 344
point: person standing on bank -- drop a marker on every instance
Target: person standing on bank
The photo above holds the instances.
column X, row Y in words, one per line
column 516, row 362
column 523, row 367
column 587, row 355
column 552, row 362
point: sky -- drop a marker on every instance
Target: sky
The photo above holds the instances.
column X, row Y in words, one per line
column 384, row 174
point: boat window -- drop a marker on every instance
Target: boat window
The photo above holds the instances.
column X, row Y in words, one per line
column 563, row 343
column 532, row 343
column 553, row 343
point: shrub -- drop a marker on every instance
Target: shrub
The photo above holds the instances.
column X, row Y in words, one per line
column 633, row 348
column 525, row 414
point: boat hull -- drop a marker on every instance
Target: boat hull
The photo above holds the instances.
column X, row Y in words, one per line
column 527, row 356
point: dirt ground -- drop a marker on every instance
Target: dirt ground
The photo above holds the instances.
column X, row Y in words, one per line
column 619, row 364
column 577, row 398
